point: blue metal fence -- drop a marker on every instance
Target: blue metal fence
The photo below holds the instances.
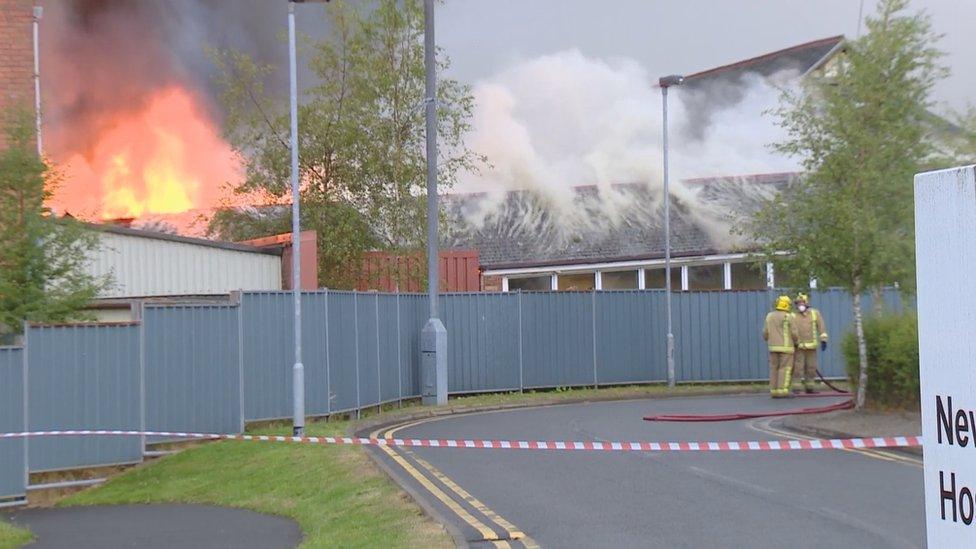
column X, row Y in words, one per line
column 213, row 367
column 13, row 470
column 82, row 377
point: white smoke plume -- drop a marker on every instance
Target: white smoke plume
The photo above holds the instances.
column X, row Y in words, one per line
column 557, row 121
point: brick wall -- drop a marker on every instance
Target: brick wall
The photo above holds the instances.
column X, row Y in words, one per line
column 16, row 55
column 491, row 283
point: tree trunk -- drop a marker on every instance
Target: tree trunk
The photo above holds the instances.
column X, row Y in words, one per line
column 862, row 349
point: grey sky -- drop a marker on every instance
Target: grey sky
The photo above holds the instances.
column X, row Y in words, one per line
column 485, row 36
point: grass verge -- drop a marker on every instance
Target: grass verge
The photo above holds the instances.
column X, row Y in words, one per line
column 336, row 494
column 12, row 536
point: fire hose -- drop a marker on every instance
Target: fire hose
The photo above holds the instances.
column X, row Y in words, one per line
column 844, row 405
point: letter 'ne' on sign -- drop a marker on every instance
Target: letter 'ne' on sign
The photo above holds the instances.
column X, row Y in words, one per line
column 945, row 252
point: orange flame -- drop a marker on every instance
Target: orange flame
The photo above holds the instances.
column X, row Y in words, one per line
column 166, row 159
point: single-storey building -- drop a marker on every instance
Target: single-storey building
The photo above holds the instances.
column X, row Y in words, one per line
column 615, row 238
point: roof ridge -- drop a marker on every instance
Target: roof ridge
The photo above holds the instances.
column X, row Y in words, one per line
column 752, row 60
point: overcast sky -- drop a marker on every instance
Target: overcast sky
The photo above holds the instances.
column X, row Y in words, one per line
column 483, row 37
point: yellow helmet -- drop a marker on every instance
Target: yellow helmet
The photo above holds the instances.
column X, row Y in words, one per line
column 802, row 297
column 783, row 303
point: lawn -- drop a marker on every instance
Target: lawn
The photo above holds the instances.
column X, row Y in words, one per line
column 336, row 494
column 11, row 536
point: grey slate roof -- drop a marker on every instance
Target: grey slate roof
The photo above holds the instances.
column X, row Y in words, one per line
column 625, row 222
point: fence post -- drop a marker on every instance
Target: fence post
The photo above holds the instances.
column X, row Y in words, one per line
column 379, row 371
column 240, row 354
column 328, row 359
column 355, row 319
column 142, row 372
column 593, row 329
column 399, row 355
column 521, row 379
column 26, row 377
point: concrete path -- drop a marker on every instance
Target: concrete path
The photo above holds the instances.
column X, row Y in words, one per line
column 822, row 498
column 156, row 526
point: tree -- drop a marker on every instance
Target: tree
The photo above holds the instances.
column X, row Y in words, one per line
column 861, row 134
column 361, row 136
column 42, row 257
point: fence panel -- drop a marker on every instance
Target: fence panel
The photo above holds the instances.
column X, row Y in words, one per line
column 413, row 317
column 557, row 339
column 13, row 473
column 83, row 377
column 367, row 339
column 193, row 368
column 343, row 351
column 388, row 342
column 630, row 337
column 483, row 341
column 269, row 353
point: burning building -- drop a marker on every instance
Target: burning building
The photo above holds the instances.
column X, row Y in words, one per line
column 611, row 236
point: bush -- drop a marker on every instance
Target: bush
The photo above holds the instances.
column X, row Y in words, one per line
column 892, row 342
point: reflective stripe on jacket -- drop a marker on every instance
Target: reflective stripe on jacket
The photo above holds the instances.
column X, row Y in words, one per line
column 811, row 328
column 779, row 331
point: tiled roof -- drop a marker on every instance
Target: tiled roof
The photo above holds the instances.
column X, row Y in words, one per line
column 624, row 222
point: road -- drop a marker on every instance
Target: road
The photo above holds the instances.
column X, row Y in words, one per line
column 820, row 498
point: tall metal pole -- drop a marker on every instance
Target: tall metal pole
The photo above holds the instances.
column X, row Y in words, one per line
column 298, row 370
column 667, row 241
column 434, row 335
column 430, row 87
column 38, row 12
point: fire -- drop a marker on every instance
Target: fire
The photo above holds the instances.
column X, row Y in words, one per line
column 166, row 158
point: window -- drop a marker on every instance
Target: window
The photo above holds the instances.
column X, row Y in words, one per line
column 748, row 276
column 576, row 282
column 706, row 277
column 654, row 278
column 619, row 280
column 530, row 284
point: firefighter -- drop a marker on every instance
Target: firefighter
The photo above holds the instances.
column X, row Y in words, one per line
column 779, row 332
column 812, row 333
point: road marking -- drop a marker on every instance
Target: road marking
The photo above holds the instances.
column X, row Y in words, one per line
column 872, row 453
column 485, row 532
column 513, row 531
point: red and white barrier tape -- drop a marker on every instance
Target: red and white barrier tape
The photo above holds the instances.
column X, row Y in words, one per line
column 760, row 445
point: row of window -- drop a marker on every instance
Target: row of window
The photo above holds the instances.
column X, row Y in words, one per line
column 715, row 276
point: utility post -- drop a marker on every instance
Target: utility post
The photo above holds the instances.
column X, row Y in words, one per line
column 433, row 338
column 298, row 369
column 665, row 83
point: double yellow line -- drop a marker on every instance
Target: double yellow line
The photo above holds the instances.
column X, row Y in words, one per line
column 486, row 532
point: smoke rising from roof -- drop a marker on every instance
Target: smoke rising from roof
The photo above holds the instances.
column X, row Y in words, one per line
column 551, row 123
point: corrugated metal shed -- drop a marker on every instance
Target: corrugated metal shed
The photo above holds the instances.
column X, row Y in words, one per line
column 145, row 264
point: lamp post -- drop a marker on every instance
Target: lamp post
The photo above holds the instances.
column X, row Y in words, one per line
column 665, row 83
column 433, row 338
column 298, row 369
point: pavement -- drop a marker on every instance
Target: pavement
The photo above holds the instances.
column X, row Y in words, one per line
column 521, row 498
column 155, row 526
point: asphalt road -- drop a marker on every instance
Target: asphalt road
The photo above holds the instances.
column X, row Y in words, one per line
column 156, row 526
column 822, row 498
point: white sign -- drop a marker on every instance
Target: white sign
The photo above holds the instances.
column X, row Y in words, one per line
column 945, row 243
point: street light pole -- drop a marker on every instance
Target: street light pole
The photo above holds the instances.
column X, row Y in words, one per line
column 665, row 83
column 298, row 369
column 433, row 338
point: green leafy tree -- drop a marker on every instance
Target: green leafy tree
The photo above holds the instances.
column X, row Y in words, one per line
column 42, row 258
column 861, row 131
column 361, row 137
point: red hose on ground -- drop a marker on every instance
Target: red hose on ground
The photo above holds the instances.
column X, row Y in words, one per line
column 754, row 415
